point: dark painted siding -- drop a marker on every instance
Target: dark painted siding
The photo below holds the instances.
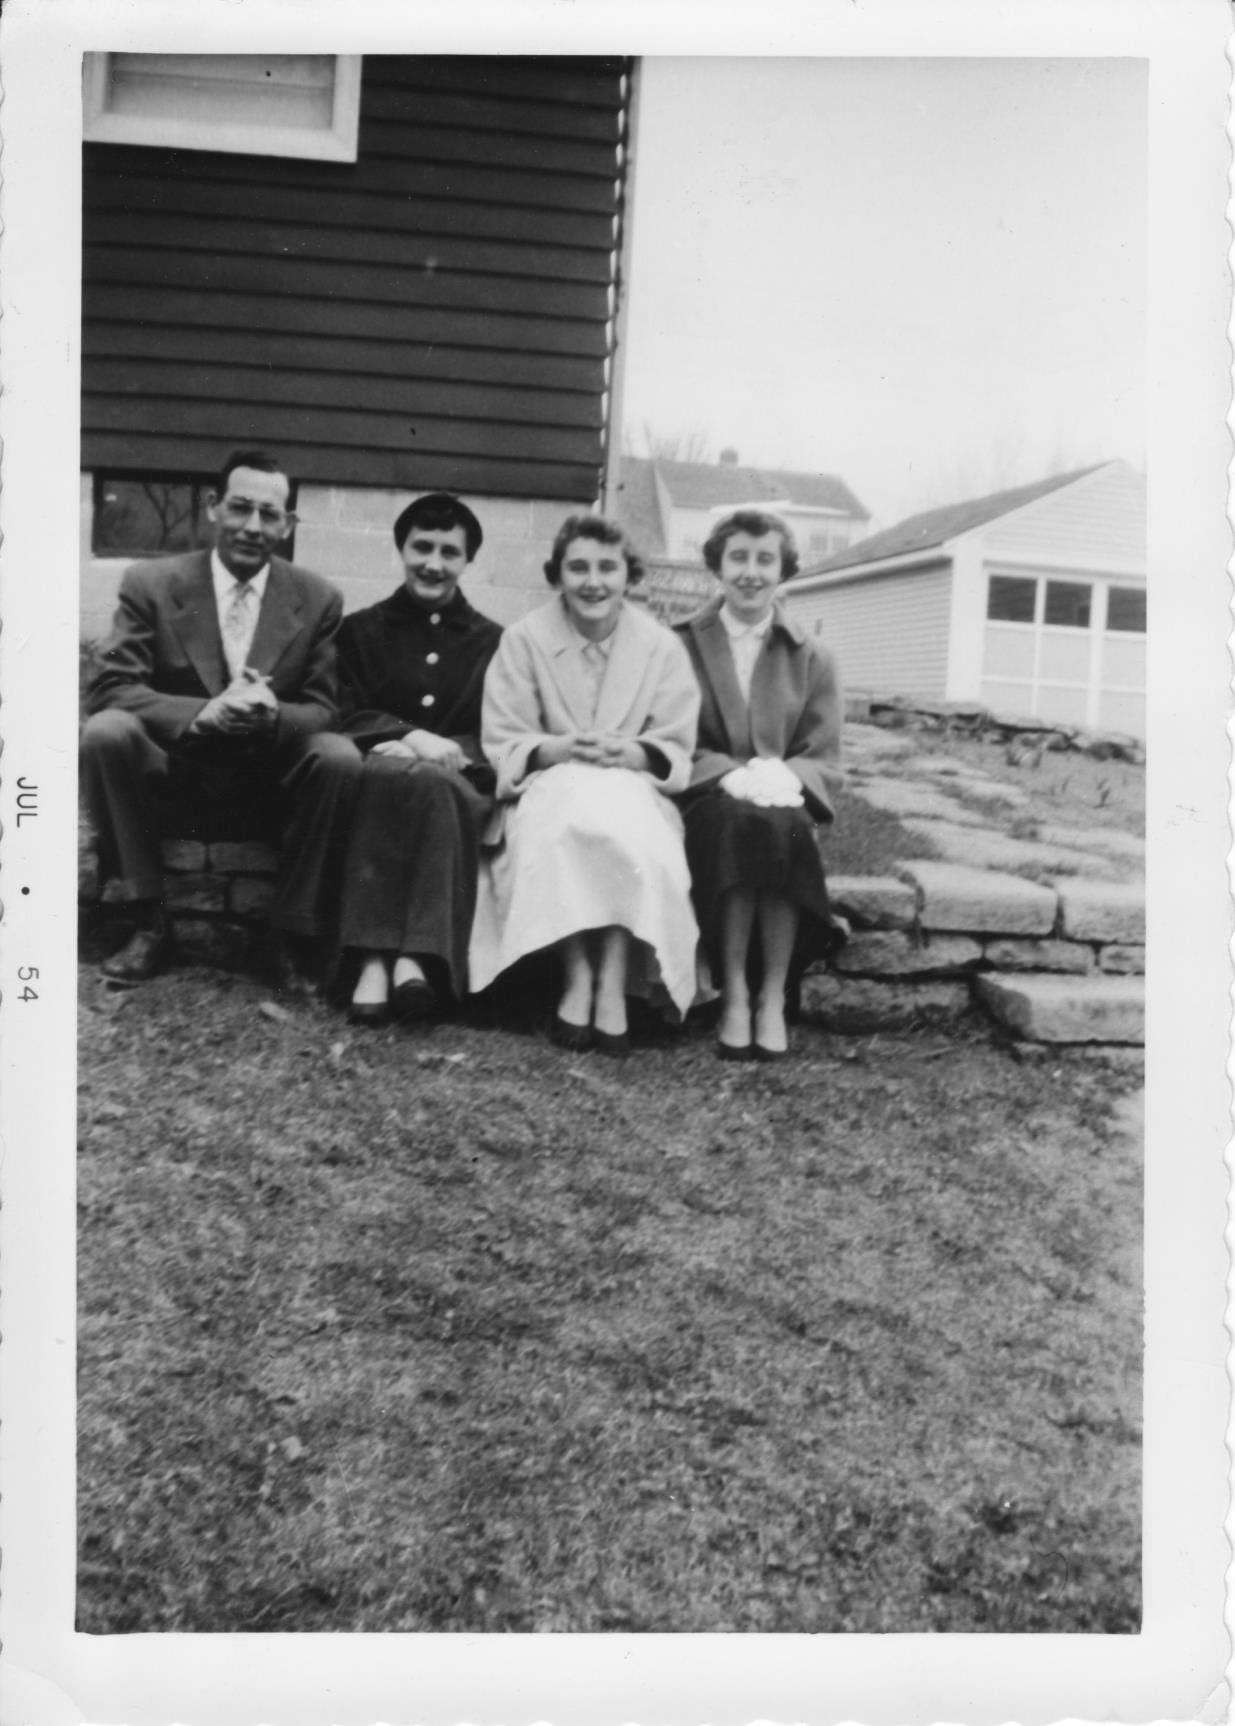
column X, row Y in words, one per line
column 436, row 314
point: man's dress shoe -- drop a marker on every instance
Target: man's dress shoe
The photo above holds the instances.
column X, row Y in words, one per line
column 142, row 956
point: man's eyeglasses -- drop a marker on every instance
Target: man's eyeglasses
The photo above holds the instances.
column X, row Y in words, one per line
column 239, row 510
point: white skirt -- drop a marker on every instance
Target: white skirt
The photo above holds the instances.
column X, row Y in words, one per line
column 589, row 848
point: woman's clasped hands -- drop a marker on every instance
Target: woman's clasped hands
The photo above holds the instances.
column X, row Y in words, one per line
column 425, row 746
column 596, row 748
column 767, row 781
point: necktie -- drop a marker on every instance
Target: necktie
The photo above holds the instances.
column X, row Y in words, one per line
column 239, row 622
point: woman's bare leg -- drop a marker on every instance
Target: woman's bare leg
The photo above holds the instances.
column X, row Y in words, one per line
column 610, row 1009
column 578, row 982
column 778, row 929
column 737, row 921
column 373, row 984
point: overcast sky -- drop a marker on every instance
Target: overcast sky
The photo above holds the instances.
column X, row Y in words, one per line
column 925, row 276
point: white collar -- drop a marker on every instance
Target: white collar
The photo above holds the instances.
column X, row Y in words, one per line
column 735, row 627
column 225, row 582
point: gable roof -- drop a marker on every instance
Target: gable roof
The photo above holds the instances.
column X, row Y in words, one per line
column 712, row 485
column 935, row 526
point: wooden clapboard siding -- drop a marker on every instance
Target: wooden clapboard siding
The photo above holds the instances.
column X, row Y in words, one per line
column 370, row 284
column 488, row 367
column 352, row 425
column 216, row 380
column 342, row 464
column 438, row 313
column 889, row 632
column 379, row 324
column 262, row 237
column 1096, row 524
column 137, row 191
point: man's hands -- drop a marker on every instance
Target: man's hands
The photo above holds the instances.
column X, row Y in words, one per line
column 598, row 749
column 246, row 708
column 425, row 746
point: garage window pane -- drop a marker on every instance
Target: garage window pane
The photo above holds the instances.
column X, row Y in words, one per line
column 1064, row 704
column 1125, row 609
column 1009, row 653
column 1068, row 603
column 1123, row 662
column 1011, row 599
column 1065, row 658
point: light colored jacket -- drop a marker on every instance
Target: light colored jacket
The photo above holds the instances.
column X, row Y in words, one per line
column 536, row 688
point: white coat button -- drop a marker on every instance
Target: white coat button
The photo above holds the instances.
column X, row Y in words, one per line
column 436, row 618
column 426, row 701
column 431, row 658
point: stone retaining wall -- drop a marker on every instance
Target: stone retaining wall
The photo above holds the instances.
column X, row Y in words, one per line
column 1053, row 962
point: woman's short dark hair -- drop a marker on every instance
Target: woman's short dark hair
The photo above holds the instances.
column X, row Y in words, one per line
column 755, row 522
column 440, row 510
column 592, row 527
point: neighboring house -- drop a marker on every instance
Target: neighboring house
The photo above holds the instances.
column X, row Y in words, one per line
column 670, row 507
column 1031, row 601
column 398, row 272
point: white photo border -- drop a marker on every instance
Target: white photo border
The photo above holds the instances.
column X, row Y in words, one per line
column 1176, row 1667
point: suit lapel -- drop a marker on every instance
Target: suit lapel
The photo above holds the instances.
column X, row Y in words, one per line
column 714, row 650
column 195, row 618
column 278, row 621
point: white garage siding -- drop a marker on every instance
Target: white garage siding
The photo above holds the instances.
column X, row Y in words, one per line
column 1096, row 524
column 889, row 632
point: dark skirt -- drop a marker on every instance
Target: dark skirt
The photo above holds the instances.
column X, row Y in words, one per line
column 409, row 879
column 731, row 844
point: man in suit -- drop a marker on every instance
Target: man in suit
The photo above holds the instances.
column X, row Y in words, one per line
column 218, row 683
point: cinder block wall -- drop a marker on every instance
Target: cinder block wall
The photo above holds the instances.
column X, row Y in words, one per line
column 345, row 533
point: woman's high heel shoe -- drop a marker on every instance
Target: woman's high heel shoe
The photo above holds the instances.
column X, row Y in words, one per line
column 576, row 1038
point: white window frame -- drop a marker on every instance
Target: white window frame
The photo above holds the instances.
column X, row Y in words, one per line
column 338, row 143
column 1096, row 631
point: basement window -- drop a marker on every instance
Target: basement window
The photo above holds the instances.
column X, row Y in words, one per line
column 152, row 515
column 252, row 104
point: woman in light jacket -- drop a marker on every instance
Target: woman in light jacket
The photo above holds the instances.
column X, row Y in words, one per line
column 589, row 719
column 768, row 755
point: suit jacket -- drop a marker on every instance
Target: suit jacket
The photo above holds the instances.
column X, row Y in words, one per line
column 536, row 688
column 164, row 657
column 795, row 710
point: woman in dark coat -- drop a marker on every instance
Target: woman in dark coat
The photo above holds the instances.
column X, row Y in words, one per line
column 767, row 757
column 411, row 675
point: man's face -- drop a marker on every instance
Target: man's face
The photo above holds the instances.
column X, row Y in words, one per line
column 250, row 519
column 434, row 561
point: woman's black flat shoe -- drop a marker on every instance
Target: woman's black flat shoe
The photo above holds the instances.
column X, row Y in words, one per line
column 369, row 1015
column 611, row 1042
column 576, row 1038
column 762, row 1054
column 732, row 1051
column 412, row 1000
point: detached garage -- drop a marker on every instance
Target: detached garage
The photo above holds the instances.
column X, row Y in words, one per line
column 1031, row 601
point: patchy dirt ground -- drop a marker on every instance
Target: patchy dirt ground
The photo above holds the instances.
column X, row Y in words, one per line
column 450, row 1331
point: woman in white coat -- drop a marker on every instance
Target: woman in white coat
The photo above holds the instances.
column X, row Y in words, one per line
column 589, row 717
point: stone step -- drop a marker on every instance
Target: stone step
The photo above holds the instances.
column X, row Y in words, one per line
column 955, row 898
column 1059, row 1009
column 1102, row 910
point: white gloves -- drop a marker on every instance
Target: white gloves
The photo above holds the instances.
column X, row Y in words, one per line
column 767, row 781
